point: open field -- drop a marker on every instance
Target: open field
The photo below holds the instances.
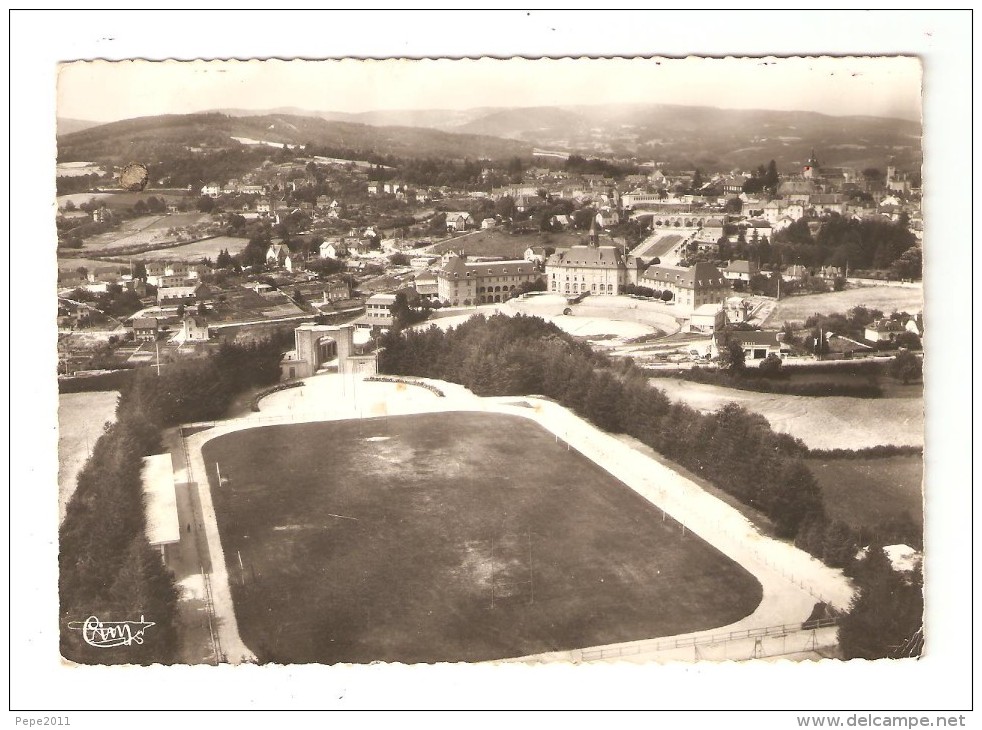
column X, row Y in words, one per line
column 498, row 542
column 497, row 242
column 822, row 423
column 81, row 417
column 122, row 199
column 209, row 248
column 862, row 492
column 888, row 299
column 144, row 231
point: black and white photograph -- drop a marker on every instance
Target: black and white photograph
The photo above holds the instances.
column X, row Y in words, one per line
column 508, row 363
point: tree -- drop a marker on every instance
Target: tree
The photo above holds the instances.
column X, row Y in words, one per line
column 733, row 205
column 771, row 366
column 908, row 341
column 399, row 259
column 771, row 178
column 731, row 355
column 886, row 618
column 906, row 366
column 205, row 204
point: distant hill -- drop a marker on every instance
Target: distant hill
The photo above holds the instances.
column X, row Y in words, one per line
column 679, row 136
column 145, row 137
column 67, row 126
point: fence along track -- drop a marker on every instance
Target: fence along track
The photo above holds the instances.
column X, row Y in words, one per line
column 635, row 649
column 216, row 642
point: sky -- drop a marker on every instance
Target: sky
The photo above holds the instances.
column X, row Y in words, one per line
column 106, row 91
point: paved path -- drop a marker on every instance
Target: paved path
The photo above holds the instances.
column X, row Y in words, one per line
column 792, row 580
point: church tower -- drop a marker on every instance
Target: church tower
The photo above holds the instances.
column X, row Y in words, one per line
column 810, row 170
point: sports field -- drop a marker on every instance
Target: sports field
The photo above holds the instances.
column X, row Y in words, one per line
column 449, row 537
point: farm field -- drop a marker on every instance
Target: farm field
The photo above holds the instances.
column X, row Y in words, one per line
column 862, row 492
column 885, row 298
column 822, row 423
column 209, row 248
column 122, row 199
column 143, row 231
column 81, row 417
column 498, row 542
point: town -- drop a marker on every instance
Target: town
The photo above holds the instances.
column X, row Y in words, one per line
column 316, row 239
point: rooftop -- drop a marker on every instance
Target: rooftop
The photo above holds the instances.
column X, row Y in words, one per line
column 163, row 526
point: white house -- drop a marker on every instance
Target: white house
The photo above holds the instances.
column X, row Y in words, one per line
column 333, row 250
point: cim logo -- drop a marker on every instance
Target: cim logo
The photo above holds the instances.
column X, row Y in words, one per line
column 107, row 634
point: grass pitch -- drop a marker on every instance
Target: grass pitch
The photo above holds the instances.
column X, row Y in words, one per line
column 449, row 537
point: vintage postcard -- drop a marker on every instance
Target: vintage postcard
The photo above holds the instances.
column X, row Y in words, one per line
column 369, row 376
column 508, row 367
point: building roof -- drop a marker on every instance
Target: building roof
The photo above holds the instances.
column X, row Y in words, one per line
column 886, row 325
column 382, row 299
column 142, row 323
column 700, row 275
column 740, row 267
column 588, row 257
column 460, row 267
column 756, row 337
column 163, row 526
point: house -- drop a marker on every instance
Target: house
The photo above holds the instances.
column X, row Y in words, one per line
column 212, row 190
column 264, row 207
column 294, row 262
column 707, row 318
column 102, row 215
column 374, row 188
column 740, row 271
column 276, row 255
column 194, row 329
column 333, row 249
column 829, row 273
column 795, row 273
column 182, row 294
column 607, row 218
column 422, row 262
column 378, row 310
column 335, row 290
column 883, row 330
column 334, row 214
column 427, row 285
column 146, row 329
column 106, row 274
column 915, row 325
column 757, row 345
column 459, row 221
column 535, row 253
column 488, row 223
column 561, row 222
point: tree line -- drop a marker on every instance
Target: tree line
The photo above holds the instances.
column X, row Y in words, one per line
column 107, row 567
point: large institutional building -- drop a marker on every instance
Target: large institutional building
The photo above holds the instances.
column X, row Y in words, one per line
column 463, row 283
column 596, row 270
column 691, row 287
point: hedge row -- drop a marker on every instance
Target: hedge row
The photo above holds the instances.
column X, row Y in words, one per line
column 383, row 379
